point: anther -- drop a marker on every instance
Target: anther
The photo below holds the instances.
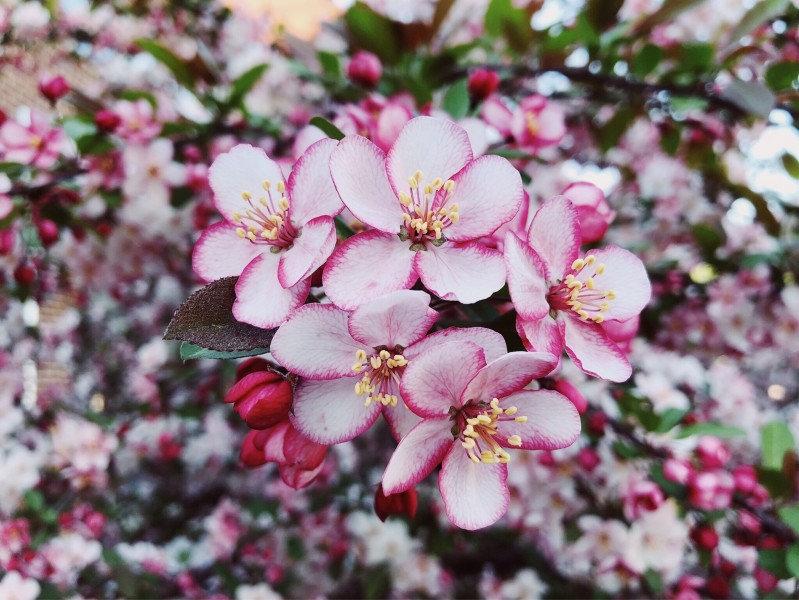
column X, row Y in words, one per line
column 281, row 187
column 515, row 440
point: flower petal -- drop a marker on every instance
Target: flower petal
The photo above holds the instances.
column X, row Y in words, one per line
column 475, row 495
column 417, row 454
column 488, row 192
column 329, row 412
column 555, row 235
column 434, row 381
column 243, row 169
column 301, row 452
column 399, row 318
column 261, row 300
column 507, row 374
column 552, row 420
column 526, row 278
column 626, row 275
column 541, row 335
column 316, row 344
column 449, row 271
column 310, row 188
column 220, row 252
column 593, row 352
column 308, row 252
column 401, row 419
column 368, row 265
column 492, row 343
column 436, row 147
column 359, row 173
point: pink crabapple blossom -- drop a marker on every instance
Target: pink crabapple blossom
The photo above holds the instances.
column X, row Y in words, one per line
column 275, row 234
column 473, row 410
column 535, row 123
column 562, row 300
column 429, row 202
column 37, row 144
column 351, row 364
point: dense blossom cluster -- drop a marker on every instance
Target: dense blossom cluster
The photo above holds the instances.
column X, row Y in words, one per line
column 525, row 270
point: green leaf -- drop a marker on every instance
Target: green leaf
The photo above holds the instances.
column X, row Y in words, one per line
column 582, row 33
column 762, row 11
column 773, row 561
column 343, row 230
column 169, row 60
column 670, row 419
column 456, row 100
column 503, row 19
column 646, row 60
column 775, row 440
column 79, row 127
column 653, row 580
column 792, row 560
column 190, row 352
column 245, row 82
column 750, row 96
column 206, row 320
column 666, row 12
column 614, row 128
column 782, row 75
column 714, row 429
column 790, row 516
column 791, row 165
column 511, row 153
column 374, row 32
column 34, row 500
column 330, row 63
column 696, row 56
column 327, row 127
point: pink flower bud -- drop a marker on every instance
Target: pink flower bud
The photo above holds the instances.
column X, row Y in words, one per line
column 365, row 69
column 588, row 459
column 766, row 581
column 107, row 120
column 712, row 453
column 262, row 398
column 641, row 497
column 711, row 490
column 593, row 210
column 53, row 88
column 395, row 504
column 745, row 478
column 676, row 470
column 48, row 232
column 705, row 537
column 573, row 394
column 482, row 83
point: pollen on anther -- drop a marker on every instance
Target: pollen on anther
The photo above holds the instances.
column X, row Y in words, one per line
column 578, row 264
column 515, row 440
column 281, row 187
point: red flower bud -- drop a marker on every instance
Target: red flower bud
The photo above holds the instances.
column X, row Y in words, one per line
column 252, row 451
column 262, row 399
column 365, row 69
column 482, row 83
column 48, row 232
column 705, row 537
column 395, row 504
column 107, row 120
column 53, row 88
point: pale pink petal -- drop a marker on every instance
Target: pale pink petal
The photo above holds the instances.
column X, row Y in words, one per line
column 434, row 380
column 526, row 278
column 436, row 147
column 622, row 331
column 401, row 419
column 488, row 192
column 552, row 420
column 555, row 235
column 329, row 412
column 496, row 114
column 359, row 174
column 417, row 454
column 492, row 343
column 367, row 266
column 308, row 252
column 220, row 252
column 475, row 495
column 260, row 299
column 591, row 350
column 624, row 274
column 389, row 124
column 508, row 374
column 399, row 318
column 296, row 477
column 310, row 188
column 243, row 169
column 466, row 272
column 273, row 442
column 542, row 335
column 551, row 122
column 315, row 343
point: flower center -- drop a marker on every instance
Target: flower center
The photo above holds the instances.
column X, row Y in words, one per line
column 476, row 426
column 381, row 375
column 267, row 221
column 578, row 291
column 532, row 123
column 425, row 210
